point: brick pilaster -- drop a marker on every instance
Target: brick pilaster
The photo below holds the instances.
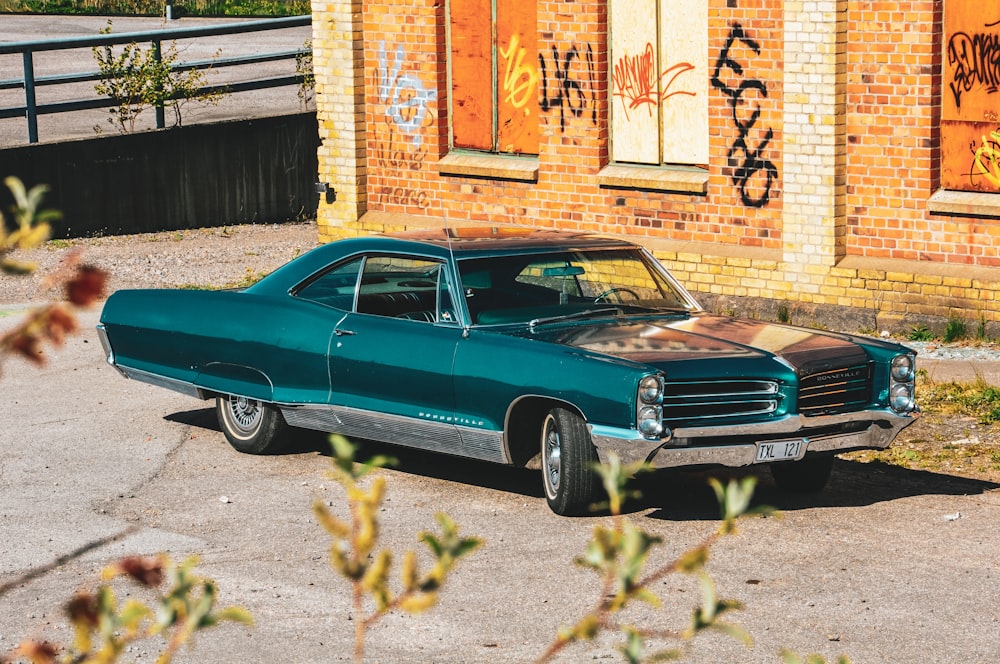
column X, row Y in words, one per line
column 338, row 50
column 814, row 220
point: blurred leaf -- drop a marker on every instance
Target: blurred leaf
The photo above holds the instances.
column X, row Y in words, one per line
column 235, row 614
column 376, row 580
column 409, row 573
column 615, row 478
column 9, row 266
column 692, row 560
column 330, row 523
column 418, row 603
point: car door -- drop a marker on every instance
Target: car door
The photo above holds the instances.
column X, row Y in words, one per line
column 392, row 356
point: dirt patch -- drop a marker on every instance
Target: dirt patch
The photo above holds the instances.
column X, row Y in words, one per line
column 955, row 445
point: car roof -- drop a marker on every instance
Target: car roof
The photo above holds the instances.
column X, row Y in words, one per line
column 499, row 240
column 457, row 243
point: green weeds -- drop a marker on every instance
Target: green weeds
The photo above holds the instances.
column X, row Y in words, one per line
column 977, row 399
column 955, row 330
column 921, row 333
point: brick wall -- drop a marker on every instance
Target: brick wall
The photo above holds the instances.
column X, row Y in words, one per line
column 822, row 187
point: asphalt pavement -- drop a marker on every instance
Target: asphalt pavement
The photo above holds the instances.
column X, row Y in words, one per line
column 888, row 565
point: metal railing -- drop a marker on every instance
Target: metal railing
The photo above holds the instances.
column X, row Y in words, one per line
column 31, row 109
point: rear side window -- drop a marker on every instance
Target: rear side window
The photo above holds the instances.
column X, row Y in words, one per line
column 402, row 287
column 392, row 286
column 335, row 287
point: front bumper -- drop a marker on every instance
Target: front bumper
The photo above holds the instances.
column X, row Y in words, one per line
column 870, row 429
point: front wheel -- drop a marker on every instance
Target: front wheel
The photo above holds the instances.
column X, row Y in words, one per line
column 568, row 457
column 809, row 475
column 251, row 426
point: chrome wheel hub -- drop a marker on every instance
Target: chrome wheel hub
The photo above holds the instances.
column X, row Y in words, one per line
column 552, row 455
column 246, row 412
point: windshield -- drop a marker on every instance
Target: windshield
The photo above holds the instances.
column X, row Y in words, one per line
column 541, row 287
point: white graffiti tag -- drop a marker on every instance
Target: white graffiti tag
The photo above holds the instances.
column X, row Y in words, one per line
column 405, row 94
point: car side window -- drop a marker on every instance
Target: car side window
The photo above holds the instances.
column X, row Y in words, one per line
column 404, row 287
column 335, row 287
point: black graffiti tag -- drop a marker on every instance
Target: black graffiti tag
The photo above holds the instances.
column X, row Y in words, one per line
column 754, row 175
column 567, row 91
column 975, row 60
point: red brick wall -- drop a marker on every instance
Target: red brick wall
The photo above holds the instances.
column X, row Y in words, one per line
column 723, row 216
column 574, row 135
column 893, row 85
column 861, row 221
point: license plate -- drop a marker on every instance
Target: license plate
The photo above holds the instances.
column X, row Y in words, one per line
column 780, row 450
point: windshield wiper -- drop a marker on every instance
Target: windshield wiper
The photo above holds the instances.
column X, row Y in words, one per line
column 643, row 309
column 576, row 314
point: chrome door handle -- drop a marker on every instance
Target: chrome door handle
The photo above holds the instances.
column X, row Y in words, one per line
column 341, row 333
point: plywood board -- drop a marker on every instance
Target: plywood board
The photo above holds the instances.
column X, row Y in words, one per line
column 471, row 74
column 970, row 100
column 683, row 80
column 971, row 61
column 517, row 78
column 970, row 156
column 635, row 110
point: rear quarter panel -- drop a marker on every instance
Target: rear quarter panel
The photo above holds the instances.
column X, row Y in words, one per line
column 266, row 347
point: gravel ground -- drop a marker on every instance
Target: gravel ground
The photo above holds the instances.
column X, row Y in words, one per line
column 216, row 257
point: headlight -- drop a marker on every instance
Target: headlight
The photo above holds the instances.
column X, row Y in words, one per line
column 902, row 368
column 650, row 389
column 901, row 397
column 649, row 421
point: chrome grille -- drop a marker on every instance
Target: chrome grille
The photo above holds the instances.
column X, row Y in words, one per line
column 838, row 390
column 690, row 400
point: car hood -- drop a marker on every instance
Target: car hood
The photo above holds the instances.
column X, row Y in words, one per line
column 663, row 342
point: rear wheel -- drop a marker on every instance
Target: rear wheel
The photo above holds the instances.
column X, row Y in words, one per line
column 809, row 475
column 567, row 462
column 251, row 426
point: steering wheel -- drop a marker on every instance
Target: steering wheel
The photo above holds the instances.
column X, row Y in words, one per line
column 616, row 291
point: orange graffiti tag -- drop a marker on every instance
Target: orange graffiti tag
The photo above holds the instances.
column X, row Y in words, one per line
column 636, row 81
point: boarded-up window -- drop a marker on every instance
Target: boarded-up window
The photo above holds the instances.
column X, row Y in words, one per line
column 494, row 75
column 659, row 81
column 970, row 114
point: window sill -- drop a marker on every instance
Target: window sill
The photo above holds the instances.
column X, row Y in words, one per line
column 497, row 167
column 682, row 179
column 964, row 203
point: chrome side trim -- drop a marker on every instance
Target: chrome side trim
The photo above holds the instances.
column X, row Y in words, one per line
column 883, row 426
column 433, row 436
column 181, row 386
column 109, row 353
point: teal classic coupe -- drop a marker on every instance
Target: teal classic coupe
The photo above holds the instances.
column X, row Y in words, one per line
column 531, row 348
